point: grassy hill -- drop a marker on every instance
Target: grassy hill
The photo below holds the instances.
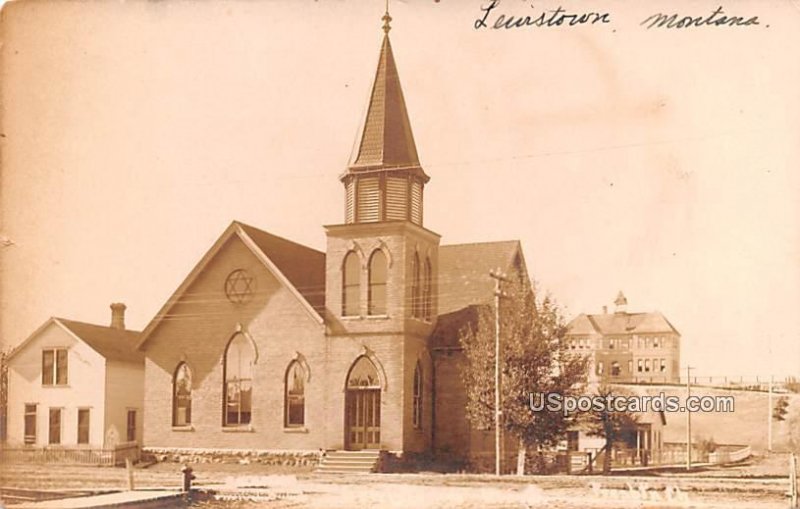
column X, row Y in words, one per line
column 746, row 425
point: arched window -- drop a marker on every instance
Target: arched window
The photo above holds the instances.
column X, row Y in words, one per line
column 417, row 415
column 238, row 390
column 416, row 297
column 351, row 282
column 182, row 395
column 295, row 402
column 427, row 298
column 377, row 283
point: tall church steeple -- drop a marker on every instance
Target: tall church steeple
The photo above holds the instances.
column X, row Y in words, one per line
column 385, row 181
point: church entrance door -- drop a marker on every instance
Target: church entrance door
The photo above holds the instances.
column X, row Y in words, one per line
column 363, row 406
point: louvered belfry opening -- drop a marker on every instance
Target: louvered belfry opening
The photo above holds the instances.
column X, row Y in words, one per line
column 385, row 180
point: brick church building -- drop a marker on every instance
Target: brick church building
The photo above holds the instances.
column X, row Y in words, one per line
column 269, row 345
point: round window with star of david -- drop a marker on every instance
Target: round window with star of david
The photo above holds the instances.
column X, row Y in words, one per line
column 240, row 286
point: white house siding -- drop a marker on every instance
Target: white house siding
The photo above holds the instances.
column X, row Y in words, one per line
column 85, row 388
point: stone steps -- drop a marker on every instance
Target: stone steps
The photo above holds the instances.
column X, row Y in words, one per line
column 349, row 462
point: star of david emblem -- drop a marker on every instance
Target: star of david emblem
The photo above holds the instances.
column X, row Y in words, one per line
column 240, row 286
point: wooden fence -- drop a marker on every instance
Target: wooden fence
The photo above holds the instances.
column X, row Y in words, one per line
column 71, row 455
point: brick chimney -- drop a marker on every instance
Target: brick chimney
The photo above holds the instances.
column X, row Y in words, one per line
column 118, row 315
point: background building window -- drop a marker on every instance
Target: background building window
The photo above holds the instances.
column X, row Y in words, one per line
column 30, row 423
column 615, row 368
column 238, row 390
column 130, row 434
column 182, row 396
column 417, row 414
column 54, row 366
column 351, row 279
column 377, row 283
column 295, row 395
column 83, row 425
column 54, row 436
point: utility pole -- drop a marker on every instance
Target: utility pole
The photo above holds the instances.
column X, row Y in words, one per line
column 688, row 419
column 498, row 278
column 769, row 415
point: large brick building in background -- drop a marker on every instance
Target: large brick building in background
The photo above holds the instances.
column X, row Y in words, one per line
column 627, row 347
column 270, row 345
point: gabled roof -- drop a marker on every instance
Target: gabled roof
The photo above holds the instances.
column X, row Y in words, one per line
column 582, row 325
column 303, row 267
column 299, row 268
column 385, row 140
column 111, row 343
column 464, row 272
column 621, row 323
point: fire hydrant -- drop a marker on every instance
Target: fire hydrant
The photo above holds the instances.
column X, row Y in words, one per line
column 188, row 477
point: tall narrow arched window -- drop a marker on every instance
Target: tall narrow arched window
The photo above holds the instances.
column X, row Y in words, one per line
column 427, row 289
column 295, row 400
column 182, row 395
column 377, row 283
column 416, row 297
column 351, row 282
column 417, row 402
column 238, row 390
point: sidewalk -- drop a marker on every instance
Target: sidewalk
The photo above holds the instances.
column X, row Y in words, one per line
column 138, row 499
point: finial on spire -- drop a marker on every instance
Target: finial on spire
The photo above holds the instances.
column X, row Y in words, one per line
column 386, row 19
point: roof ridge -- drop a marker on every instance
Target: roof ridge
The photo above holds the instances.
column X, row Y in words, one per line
column 514, row 241
column 80, row 322
column 278, row 237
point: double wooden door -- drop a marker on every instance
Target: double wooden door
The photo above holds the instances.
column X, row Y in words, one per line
column 363, row 419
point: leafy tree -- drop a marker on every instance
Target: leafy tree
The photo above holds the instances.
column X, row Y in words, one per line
column 781, row 409
column 608, row 423
column 534, row 359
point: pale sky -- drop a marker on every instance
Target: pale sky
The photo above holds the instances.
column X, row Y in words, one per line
column 663, row 163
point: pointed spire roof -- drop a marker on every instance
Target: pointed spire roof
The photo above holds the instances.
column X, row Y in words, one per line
column 621, row 300
column 385, row 140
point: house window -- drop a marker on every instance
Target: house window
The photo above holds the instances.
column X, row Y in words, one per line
column 663, row 366
column 600, row 368
column 54, row 436
column 295, row 395
column 611, row 344
column 615, row 368
column 630, row 366
column 647, row 365
column 30, row 423
column 351, row 279
column 427, row 297
column 83, row 425
column 417, row 414
column 639, row 365
column 377, row 283
column 182, row 396
column 54, row 366
column 416, row 294
column 131, row 426
column 238, row 389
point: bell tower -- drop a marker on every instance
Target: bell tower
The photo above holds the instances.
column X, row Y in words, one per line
column 382, row 266
column 384, row 181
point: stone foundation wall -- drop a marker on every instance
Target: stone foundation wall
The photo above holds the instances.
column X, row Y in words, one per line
column 237, row 456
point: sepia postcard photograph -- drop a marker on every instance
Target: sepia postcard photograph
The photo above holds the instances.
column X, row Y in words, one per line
column 399, row 254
